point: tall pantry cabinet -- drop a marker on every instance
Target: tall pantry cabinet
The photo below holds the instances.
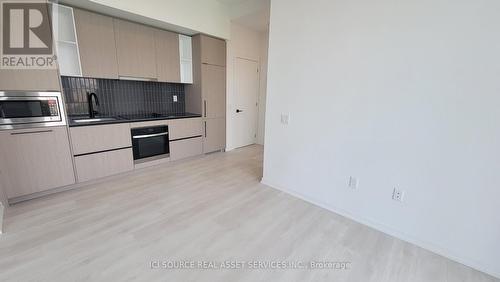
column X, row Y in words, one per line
column 207, row 94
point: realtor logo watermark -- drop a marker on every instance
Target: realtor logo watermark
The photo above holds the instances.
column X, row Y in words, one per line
column 26, row 36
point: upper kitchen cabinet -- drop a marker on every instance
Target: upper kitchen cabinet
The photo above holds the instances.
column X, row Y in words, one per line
column 66, row 41
column 213, row 51
column 174, row 60
column 96, row 41
column 29, row 79
column 135, row 46
column 186, row 58
column 168, row 68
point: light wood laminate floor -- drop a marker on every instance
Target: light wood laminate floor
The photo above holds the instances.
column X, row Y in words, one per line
column 211, row 208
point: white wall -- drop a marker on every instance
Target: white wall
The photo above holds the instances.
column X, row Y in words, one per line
column 264, row 43
column 244, row 43
column 397, row 93
column 207, row 16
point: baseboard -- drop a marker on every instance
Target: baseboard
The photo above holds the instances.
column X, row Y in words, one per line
column 389, row 230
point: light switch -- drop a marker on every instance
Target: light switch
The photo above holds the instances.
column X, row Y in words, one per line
column 175, row 98
column 285, row 118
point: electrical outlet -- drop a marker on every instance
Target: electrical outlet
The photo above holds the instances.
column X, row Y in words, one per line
column 398, row 195
column 285, row 118
column 353, row 182
column 175, row 98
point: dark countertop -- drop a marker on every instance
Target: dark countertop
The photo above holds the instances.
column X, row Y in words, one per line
column 127, row 119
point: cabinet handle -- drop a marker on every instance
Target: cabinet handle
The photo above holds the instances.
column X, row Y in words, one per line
column 205, row 107
column 31, row 132
column 205, row 129
column 149, row 135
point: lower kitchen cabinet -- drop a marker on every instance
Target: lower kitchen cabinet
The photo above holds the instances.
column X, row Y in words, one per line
column 35, row 160
column 214, row 137
column 184, row 128
column 97, row 165
column 186, row 148
column 90, row 139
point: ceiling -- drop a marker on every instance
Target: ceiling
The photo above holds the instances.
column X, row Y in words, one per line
column 258, row 20
column 253, row 14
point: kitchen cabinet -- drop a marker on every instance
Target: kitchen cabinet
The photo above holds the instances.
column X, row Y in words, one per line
column 66, row 41
column 168, row 67
column 213, row 51
column 213, row 91
column 214, row 138
column 186, row 58
column 96, row 42
column 35, row 160
column 97, row 138
column 135, row 48
column 98, row 165
column 29, row 80
column 184, row 128
column 185, row 138
column 186, row 148
column 207, row 94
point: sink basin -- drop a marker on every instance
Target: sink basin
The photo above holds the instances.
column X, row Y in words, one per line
column 93, row 120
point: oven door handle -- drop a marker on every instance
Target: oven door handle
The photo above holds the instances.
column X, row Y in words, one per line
column 149, row 135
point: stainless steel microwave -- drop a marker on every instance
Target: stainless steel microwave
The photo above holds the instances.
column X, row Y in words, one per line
column 31, row 109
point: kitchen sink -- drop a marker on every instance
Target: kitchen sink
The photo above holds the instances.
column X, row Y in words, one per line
column 94, row 120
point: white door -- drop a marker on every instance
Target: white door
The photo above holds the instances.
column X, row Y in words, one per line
column 245, row 111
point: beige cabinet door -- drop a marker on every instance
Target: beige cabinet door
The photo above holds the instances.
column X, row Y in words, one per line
column 96, row 41
column 135, row 45
column 213, row 88
column 186, row 148
column 168, row 67
column 94, row 166
column 184, row 128
column 96, row 138
column 214, row 138
column 35, row 160
column 213, row 51
column 29, row 80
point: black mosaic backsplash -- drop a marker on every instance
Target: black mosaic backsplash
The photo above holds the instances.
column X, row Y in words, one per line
column 123, row 97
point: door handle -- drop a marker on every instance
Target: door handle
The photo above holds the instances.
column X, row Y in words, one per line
column 238, row 111
column 205, row 107
column 205, row 129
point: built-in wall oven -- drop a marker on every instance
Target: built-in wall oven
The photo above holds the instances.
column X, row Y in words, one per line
column 150, row 143
column 30, row 109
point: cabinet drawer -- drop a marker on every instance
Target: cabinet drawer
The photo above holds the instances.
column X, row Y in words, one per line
column 186, row 148
column 88, row 139
column 94, row 166
column 184, row 128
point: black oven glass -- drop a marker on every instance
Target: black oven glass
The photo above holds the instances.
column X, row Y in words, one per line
column 24, row 109
column 150, row 141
